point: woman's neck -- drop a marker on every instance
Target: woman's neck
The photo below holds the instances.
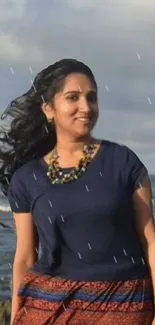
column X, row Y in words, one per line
column 71, row 146
column 70, row 152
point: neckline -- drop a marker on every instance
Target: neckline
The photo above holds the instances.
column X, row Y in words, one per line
column 66, row 169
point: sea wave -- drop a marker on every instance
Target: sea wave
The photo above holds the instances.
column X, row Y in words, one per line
column 4, row 208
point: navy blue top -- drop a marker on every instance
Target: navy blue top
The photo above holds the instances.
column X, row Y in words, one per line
column 86, row 228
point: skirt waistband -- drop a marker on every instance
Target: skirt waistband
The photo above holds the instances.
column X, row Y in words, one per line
column 37, row 288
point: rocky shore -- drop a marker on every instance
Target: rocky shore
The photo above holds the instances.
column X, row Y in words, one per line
column 5, row 310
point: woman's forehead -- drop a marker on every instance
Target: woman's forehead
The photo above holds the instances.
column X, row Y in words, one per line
column 77, row 82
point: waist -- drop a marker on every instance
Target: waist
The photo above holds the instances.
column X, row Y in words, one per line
column 111, row 269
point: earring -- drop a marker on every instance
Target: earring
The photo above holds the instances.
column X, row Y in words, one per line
column 50, row 121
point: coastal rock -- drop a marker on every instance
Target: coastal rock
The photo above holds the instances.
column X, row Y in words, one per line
column 5, row 310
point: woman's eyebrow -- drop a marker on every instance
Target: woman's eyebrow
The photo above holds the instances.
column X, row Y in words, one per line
column 75, row 91
column 72, row 91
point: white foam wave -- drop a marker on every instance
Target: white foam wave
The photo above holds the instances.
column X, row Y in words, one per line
column 5, row 208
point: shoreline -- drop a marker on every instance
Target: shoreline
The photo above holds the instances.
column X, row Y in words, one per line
column 5, row 311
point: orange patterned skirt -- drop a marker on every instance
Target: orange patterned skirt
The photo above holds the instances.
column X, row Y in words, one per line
column 47, row 300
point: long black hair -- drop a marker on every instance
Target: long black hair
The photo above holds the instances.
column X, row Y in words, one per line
column 29, row 134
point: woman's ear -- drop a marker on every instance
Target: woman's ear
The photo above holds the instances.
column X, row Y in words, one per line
column 47, row 110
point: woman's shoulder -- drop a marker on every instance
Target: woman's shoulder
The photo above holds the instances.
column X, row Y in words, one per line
column 27, row 168
column 119, row 152
column 114, row 147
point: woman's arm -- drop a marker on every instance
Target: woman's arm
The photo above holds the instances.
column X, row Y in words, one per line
column 25, row 254
column 142, row 202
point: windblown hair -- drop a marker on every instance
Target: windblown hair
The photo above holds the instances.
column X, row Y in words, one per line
column 29, row 134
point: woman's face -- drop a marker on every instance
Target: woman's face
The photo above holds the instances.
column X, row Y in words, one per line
column 75, row 107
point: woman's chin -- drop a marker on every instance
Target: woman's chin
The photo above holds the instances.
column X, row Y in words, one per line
column 83, row 134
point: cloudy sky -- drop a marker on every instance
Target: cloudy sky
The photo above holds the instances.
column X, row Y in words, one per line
column 114, row 37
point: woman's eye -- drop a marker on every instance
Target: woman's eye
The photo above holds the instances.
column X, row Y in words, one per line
column 92, row 98
column 73, row 97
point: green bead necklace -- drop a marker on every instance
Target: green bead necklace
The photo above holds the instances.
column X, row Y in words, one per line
column 55, row 172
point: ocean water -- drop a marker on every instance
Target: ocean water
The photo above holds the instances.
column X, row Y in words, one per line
column 7, row 243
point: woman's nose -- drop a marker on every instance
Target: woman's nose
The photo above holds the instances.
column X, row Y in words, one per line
column 84, row 105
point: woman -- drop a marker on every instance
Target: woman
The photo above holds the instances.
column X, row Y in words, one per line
column 84, row 203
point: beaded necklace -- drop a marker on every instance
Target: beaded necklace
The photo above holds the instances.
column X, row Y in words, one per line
column 55, row 172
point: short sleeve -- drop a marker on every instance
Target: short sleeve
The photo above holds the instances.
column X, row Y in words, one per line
column 134, row 170
column 17, row 195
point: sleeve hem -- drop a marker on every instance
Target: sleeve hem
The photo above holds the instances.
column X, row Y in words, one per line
column 20, row 210
column 143, row 173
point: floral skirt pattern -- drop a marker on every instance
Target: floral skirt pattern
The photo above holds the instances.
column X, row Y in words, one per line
column 47, row 300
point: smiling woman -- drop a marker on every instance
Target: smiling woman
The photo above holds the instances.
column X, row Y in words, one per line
column 79, row 199
column 74, row 108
